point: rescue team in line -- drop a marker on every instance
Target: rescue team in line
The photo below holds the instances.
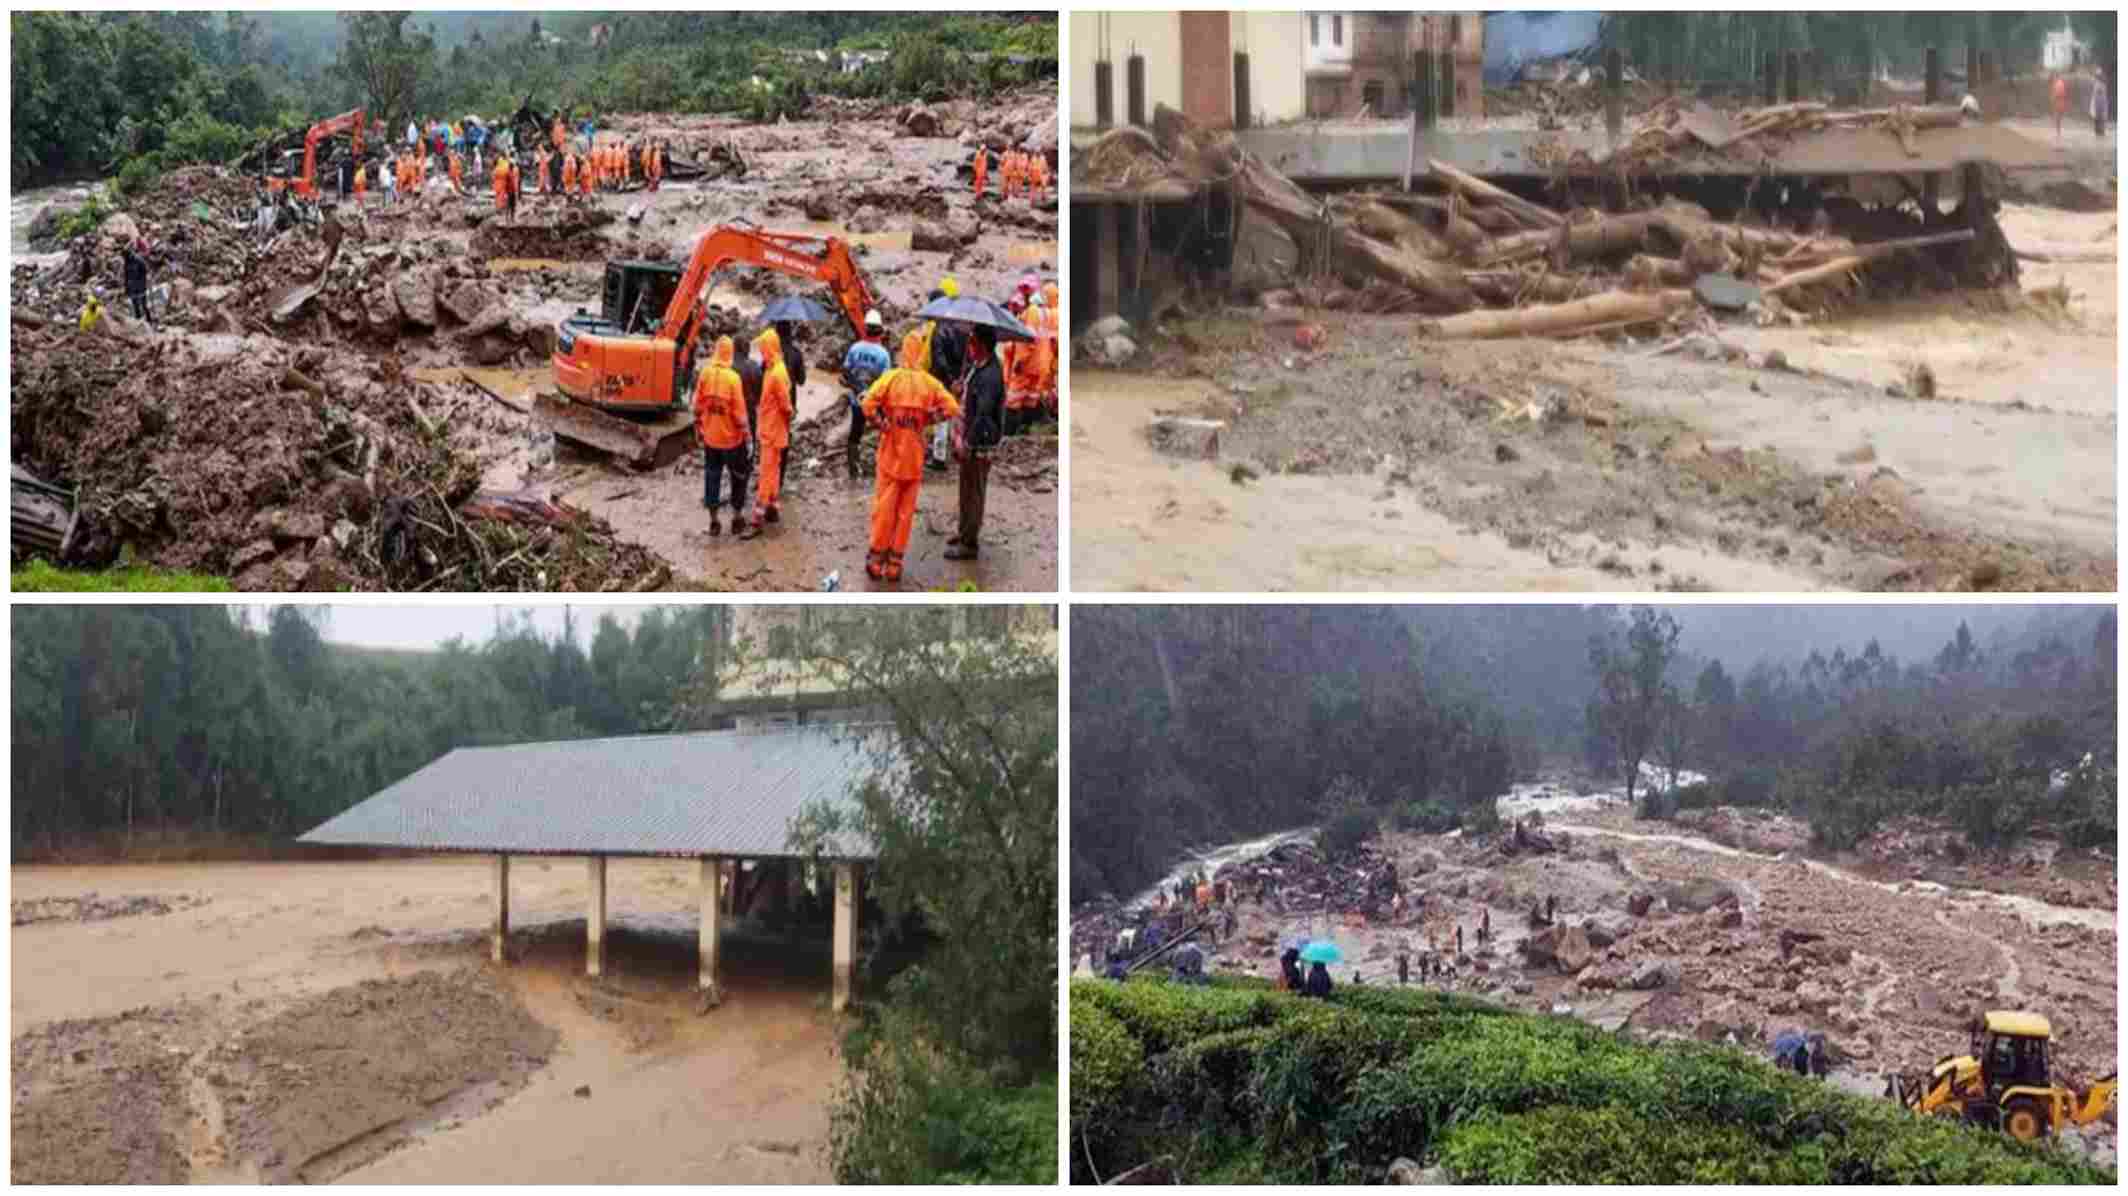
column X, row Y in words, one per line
column 949, row 378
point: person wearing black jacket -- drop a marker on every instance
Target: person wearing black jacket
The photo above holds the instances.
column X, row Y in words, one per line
column 794, row 365
column 136, row 267
column 1318, row 981
column 983, row 413
column 949, row 360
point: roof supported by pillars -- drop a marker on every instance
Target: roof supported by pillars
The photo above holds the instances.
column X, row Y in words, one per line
column 717, row 797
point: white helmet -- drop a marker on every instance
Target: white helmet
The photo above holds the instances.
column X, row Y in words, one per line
column 872, row 320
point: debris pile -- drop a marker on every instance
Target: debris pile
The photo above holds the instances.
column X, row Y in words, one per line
column 1492, row 263
column 285, row 469
column 95, row 907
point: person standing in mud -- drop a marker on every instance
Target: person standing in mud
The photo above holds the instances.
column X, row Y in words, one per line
column 775, row 428
column 861, row 367
column 901, row 402
column 721, row 426
column 136, row 279
column 946, row 358
column 983, row 413
column 793, row 361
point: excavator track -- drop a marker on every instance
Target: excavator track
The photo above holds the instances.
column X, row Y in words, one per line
column 637, row 442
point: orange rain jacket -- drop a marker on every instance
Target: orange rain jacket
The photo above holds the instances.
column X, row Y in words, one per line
column 720, row 401
column 902, row 403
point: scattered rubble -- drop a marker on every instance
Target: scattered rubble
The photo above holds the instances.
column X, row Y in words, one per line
column 94, row 907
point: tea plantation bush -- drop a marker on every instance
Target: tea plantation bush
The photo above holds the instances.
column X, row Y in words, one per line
column 1254, row 1085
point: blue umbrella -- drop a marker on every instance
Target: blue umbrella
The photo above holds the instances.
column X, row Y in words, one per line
column 1322, row 951
column 795, row 308
column 969, row 309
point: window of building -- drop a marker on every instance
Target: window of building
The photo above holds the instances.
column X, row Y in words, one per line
column 1315, row 30
column 1337, row 29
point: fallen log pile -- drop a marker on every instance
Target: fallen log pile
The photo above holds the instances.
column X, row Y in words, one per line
column 1488, row 262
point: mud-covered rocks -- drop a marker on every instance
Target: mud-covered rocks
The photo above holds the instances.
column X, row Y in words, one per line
column 1654, row 974
column 1606, row 929
column 1640, row 903
column 415, row 293
column 918, row 120
column 952, row 232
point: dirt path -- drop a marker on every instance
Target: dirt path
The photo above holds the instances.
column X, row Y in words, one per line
column 225, row 1031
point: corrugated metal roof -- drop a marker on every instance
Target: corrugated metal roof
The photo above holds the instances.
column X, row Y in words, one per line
column 704, row 793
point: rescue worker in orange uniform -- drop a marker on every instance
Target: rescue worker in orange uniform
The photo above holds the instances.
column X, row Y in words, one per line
column 586, row 175
column 982, row 169
column 1052, row 318
column 568, row 174
column 720, row 424
column 457, row 173
column 502, row 183
column 1041, row 176
column 902, row 403
column 775, row 432
column 361, row 184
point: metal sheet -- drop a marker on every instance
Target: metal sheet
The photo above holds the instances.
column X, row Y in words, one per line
column 707, row 793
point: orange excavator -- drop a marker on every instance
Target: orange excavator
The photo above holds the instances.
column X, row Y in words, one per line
column 306, row 184
column 636, row 357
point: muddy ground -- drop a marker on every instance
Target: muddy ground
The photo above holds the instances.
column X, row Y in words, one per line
column 426, row 297
column 1890, row 969
column 1382, row 460
column 317, row 1022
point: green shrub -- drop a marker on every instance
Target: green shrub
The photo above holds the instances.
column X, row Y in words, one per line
column 1264, row 1087
column 1163, row 1016
column 137, row 175
column 912, row 1115
column 1612, row 1145
column 85, row 219
column 1104, row 1057
column 1425, row 817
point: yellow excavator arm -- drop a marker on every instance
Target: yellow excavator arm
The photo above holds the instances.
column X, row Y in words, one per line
column 2097, row 1102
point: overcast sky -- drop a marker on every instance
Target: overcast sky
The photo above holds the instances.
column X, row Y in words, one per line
column 429, row 626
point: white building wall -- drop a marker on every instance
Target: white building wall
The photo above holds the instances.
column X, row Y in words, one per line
column 1156, row 35
column 1275, row 42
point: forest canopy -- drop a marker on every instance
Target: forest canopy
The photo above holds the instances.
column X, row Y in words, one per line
column 1197, row 725
column 94, row 92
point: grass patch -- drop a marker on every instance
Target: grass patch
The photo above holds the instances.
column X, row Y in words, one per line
column 1242, row 1083
column 43, row 577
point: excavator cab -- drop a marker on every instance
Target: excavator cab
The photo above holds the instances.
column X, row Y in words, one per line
column 637, row 293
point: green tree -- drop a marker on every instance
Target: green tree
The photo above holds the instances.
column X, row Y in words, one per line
column 383, row 59
column 1634, row 697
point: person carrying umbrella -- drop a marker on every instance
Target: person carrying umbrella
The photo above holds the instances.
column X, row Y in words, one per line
column 1319, row 955
column 901, row 402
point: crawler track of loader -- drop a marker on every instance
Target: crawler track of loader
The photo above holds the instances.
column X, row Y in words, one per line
column 638, row 442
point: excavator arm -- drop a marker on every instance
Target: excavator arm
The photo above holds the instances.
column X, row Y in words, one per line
column 2096, row 1102
column 307, row 183
column 825, row 260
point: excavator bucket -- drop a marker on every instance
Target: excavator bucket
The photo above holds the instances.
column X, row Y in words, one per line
column 638, row 443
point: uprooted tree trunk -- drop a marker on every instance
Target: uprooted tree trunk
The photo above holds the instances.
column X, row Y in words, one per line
column 1616, row 309
column 1306, row 219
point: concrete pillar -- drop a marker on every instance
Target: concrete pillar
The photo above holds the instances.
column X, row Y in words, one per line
column 1792, row 77
column 1108, row 259
column 595, row 920
column 502, row 906
column 711, row 927
column 1134, row 89
column 1931, row 91
column 1243, row 105
column 1104, row 94
column 1447, row 106
column 1769, row 78
column 846, row 878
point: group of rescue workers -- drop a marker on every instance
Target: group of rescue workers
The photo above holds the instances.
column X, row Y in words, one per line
column 950, row 380
column 1018, row 173
column 576, row 166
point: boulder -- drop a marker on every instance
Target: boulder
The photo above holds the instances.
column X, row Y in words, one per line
column 1813, row 997
column 1572, row 950
column 1406, row 1171
column 1654, row 974
column 250, row 554
column 415, row 292
column 1725, row 917
column 944, row 236
column 1605, row 929
column 1108, row 326
column 1699, row 896
column 1639, row 904
column 44, row 227
column 1829, row 953
column 919, row 121
column 1112, row 351
column 1543, row 946
column 465, row 302
column 120, row 228
column 868, row 219
column 821, row 205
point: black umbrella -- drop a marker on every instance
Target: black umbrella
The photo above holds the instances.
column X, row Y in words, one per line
column 969, row 309
column 795, row 308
